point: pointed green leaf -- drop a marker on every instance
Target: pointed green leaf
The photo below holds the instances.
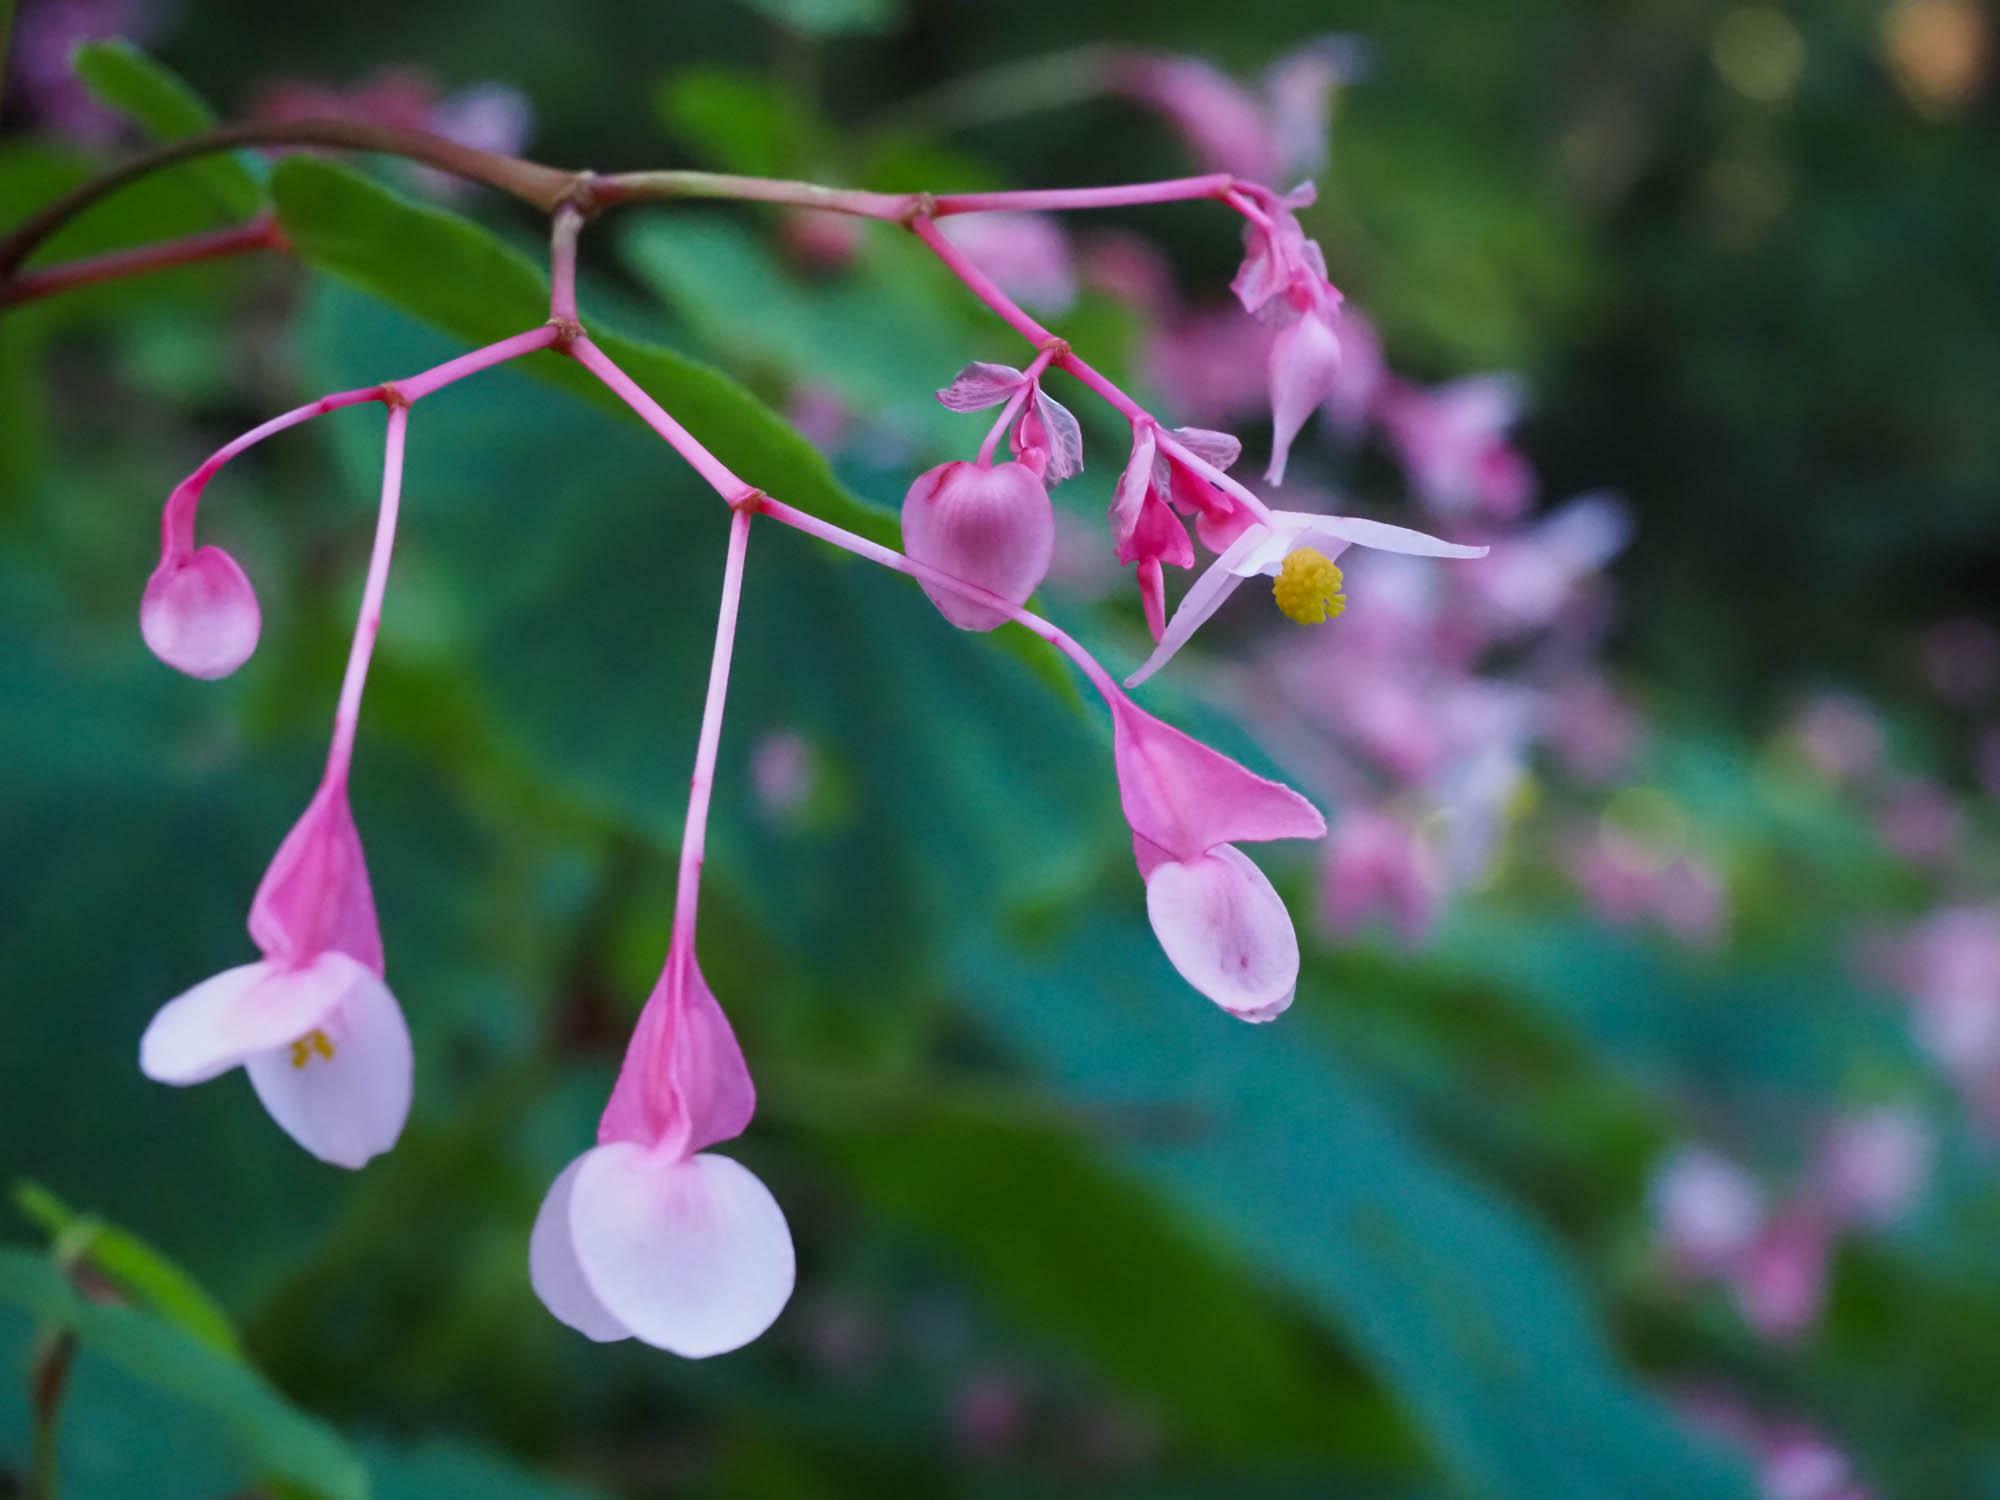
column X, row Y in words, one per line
column 161, row 103
column 275, row 1437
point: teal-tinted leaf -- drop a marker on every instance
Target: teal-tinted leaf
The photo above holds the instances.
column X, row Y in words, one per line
column 455, row 275
column 830, row 17
column 133, row 1266
column 739, row 122
column 275, row 1437
column 877, row 336
column 1462, row 1306
column 436, row 1469
column 1049, row 1234
column 161, row 103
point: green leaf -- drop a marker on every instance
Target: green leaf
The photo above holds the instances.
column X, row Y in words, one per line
column 878, row 337
column 158, row 100
column 830, row 17
column 1462, row 1307
column 275, row 1437
column 455, row 275
column 133, row 1266
column 739, row 122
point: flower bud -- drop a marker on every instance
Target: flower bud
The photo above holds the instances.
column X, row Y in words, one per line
column 992, row 527
column 199, row 614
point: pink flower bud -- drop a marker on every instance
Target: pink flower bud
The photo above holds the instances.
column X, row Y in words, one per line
column 988, row 526
column 199, row 614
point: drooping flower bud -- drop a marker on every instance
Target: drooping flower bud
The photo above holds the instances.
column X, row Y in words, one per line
column 199, row 614
column 992, row 527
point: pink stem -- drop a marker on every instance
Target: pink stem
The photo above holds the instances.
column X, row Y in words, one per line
column 701, row 785
column 1127, row 195
column 415, row 387
column 259, row 234
column 177, row 518
column 562, row 264
column 888, row 557
column 625, row 388
column 345, row 717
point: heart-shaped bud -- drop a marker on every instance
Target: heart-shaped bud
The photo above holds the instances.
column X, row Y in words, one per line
column 199, row 614
column 987, row 526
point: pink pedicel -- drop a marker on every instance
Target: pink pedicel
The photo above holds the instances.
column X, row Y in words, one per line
column 312, row 1023
column 648, row 1235
column 987, row 526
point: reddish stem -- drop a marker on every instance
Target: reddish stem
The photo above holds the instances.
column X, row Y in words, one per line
column 261, row 233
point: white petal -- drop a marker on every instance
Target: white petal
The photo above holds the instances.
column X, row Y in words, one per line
column 692, row 1256
column 240, row 1013
column 553, row 1268
column 1203, row 598
column 1227, row 931
column 1377, row 534
column 351, row 1106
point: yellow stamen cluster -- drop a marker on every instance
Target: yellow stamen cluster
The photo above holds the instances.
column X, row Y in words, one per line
column 1308, row 587
column 313, row 1041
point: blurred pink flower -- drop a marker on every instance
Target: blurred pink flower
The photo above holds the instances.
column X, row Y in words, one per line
column 1706, row 1210
column 988, row 1414
column 1540, row 569
column 1873, row 1165
column 1920, row 821
column 1791, row 1461
column 1376, row 863
column 1454, row 447
column 45, row 35
column 1948, row 965
column 1627, row 881
column 1028, row 254
column 1780, row 1282
column 1210, row 364
column 783, row 773
column 1594, row 731
column 486, row 116
column 1228, row 127
column 1840, row 736
column 1358, row 385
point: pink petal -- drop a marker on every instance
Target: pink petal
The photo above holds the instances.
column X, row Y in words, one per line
column 554, row 1270
column 684, row 1084
column 1129, row 495
column 980, row 385
column 1326, row 531
column 1186, row 798
column 350, row 1107
column 1061, row 435
column 1218, row 448
column 240, row 1013
column 199, row 614
column 1305, row 366
column 1227, row 931
column 315, row 897
column 992, row 527
column 693, row 1256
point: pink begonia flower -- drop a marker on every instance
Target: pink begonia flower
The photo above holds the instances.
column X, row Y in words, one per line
column 1779, row 1282
column 1045, row 434
column 1215, row 913
column 1949, row 967
column 1156, row 483
column 320, row 1035
column 1377, row 862
column 1263, row 548
column 648, row 1235
column 199, row 613
column 1454, row 448
column 1706, row 1210
column 1305, row 372
column 1873, row 1165
column 1027, row 254
column 990, row 526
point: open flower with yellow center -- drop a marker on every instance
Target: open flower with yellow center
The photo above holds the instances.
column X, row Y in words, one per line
column 1297, row 549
